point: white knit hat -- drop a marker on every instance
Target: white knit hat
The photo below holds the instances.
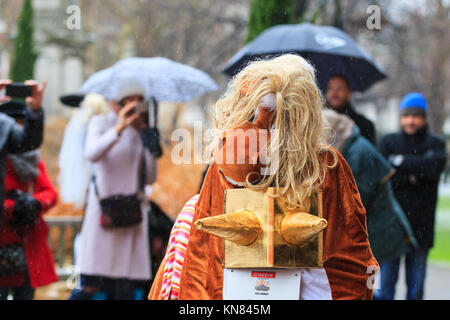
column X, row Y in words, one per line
column 130, row 87
column 93, row 104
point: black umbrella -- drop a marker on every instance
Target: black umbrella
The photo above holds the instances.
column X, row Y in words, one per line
column 72, row 100
column 329, row 49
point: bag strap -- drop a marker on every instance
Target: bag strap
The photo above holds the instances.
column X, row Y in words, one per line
column 94, row 181
column 142, row 172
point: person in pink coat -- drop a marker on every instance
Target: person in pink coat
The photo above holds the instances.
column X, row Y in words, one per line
column 116, row 260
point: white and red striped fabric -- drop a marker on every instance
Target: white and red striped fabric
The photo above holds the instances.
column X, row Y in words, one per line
column 176, row 249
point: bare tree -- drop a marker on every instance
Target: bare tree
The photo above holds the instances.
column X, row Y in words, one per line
column 201, row 33
column 417, row 57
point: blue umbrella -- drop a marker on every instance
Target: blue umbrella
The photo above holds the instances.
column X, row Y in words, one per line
column 329, row 49
column 164, row 79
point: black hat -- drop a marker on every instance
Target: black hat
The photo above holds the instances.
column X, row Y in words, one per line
column 72, row 100
column 14, row 108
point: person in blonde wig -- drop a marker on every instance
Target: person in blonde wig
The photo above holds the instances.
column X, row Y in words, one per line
column 280, row 97
column 288, row 85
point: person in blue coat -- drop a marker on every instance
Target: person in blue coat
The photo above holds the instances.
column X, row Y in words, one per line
column 419, row 157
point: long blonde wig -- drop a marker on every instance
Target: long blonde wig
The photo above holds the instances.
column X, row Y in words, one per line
column 298, row 140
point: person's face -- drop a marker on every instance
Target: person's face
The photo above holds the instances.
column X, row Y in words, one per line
column 116, row 106
column 412, row 123
column 135, row 98
column 338, row 93
column 142, row 121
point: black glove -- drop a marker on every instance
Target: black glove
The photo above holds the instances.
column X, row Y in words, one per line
column 151, row 140
column 25, row 212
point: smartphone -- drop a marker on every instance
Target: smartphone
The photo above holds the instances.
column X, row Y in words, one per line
column 142, row 107
column 18, row 90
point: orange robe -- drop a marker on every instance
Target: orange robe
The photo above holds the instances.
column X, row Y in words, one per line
column 348, row 258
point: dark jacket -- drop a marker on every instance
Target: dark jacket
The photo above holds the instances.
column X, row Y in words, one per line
column 366, row 126
column 14, row 139
column 416, row 181
column 390, row 234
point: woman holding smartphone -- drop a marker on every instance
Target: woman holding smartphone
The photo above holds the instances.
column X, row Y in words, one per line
column 114, row 238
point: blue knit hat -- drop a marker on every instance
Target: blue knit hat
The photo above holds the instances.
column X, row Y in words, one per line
column 414, row 100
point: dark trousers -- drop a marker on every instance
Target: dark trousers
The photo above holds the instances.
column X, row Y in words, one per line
column 415, row 267
column 115, row 289
column 25, row 292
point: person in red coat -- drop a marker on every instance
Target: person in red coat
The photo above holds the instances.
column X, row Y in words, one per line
column 26, row 176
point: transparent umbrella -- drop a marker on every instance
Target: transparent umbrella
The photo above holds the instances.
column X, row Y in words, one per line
column 164, row 79
column 98, row 83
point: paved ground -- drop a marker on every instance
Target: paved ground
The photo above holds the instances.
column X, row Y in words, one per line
column 443, row 219
column 437, row 283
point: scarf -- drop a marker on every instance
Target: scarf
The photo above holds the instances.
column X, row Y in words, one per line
column 174, row 259
column 25, row 165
